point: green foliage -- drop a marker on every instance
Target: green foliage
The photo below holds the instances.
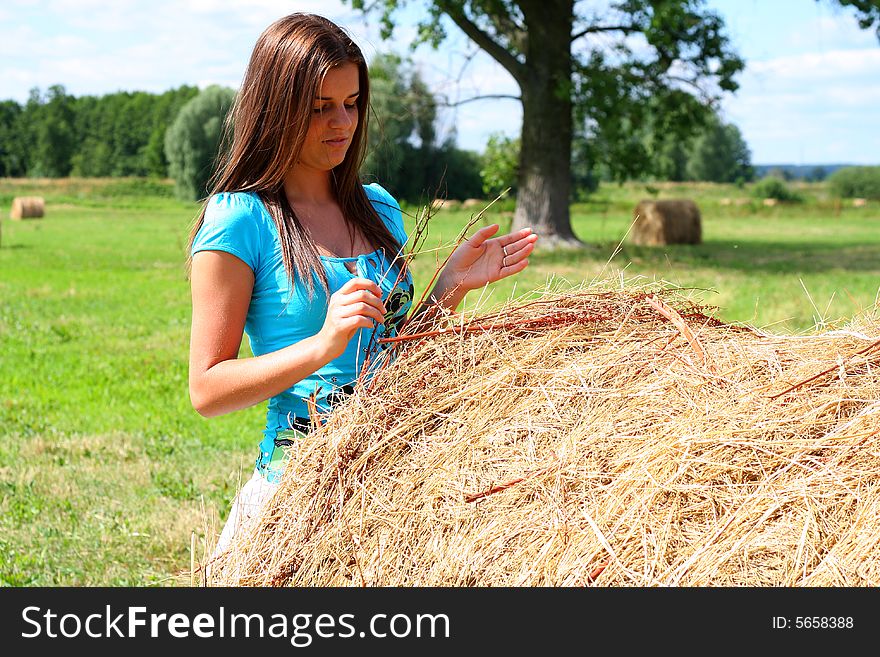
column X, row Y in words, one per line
column 55, row 134
column 403, row 153
column 780, row 172
column 452, row 173
column 706, row 149
column 391, row 124
column 776, row 188
column 192, row 143
column 500, row 165
column 585, row 164
column 637, row 118
column 649, row 55
column 867, row 13
column 13, row 143
column 816, row 174
column 855, row 182
column 719, row 154
column 94, row 318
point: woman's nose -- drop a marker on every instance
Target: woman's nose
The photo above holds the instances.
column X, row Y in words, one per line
column 340, row 118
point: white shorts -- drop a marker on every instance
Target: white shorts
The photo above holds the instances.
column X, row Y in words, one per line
column 247, row 505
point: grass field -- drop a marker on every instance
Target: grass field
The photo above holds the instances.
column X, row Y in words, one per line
column 105, row 469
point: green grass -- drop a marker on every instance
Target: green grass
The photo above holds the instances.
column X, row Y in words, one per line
column 790, row 268
column 106, row 470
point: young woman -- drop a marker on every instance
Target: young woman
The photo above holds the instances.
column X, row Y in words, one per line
column 293, row 250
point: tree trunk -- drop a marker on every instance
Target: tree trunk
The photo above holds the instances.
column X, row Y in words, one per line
column 545, row 155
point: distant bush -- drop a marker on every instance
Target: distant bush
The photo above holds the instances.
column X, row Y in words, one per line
column 772, row 187
column 139, row 187
column 192, row 142
column 500, row 165
column 855, row 182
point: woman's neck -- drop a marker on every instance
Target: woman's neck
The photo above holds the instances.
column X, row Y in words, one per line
column 308, row 186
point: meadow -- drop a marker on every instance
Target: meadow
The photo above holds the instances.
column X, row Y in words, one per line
column 106, row 471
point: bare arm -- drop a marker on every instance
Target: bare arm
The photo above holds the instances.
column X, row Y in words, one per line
column 219, row 381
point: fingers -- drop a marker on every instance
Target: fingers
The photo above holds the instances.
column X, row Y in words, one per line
column 510, row 248
column 483, row 234
column 516, row 247
column 510, row 263
column 515, row 268
column 362, row 309
column 520, row 235
column 359, row 297
column 360, row 284
column 357, row 304
column 361, row 302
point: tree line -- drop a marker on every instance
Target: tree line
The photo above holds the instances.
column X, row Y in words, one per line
column 54, row 134
column 177, row 134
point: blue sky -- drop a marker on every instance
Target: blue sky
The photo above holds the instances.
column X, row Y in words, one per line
column 809, row 95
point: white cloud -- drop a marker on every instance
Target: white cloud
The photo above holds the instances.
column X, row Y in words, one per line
column 831, row 32
column 819, row 67
column 95, row 47
column 816, row 107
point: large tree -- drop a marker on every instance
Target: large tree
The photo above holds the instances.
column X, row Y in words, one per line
column 597, row 66
column 563, row 55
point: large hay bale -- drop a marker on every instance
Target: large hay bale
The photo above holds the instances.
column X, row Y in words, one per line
column 27, row 207
column 670, row 221
column 594, row 437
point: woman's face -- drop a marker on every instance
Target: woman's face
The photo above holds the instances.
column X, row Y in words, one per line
column 334, row 119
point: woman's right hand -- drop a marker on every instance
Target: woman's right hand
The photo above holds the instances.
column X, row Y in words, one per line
column 357, row 304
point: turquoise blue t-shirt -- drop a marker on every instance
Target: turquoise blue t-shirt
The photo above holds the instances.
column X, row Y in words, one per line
column 239, row 223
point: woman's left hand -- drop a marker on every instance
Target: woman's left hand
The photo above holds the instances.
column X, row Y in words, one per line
column 481, row 260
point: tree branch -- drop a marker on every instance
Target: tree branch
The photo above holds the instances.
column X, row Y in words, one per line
column 485, row 97
column 495, row 50
column 626, row 29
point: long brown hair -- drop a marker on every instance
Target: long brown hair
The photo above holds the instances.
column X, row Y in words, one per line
column 266, row 129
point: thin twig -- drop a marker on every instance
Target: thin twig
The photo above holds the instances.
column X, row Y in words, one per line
column 873, row 345
column 473, row 497
column 672, row 315
column 596, row 572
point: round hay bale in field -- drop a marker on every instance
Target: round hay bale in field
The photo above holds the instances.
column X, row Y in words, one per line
column 770, row 202
column 672, row 221
column 592, row 437
column 27, row 207
column 469, row 203
column 444, row 204
column 859, row 202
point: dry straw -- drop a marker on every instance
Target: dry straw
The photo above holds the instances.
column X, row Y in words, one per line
column 602, row 437
column 27, row 207
column 670, row 221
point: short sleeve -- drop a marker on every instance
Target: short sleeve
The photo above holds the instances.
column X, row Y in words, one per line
column 232, row 224
column 388, row 208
